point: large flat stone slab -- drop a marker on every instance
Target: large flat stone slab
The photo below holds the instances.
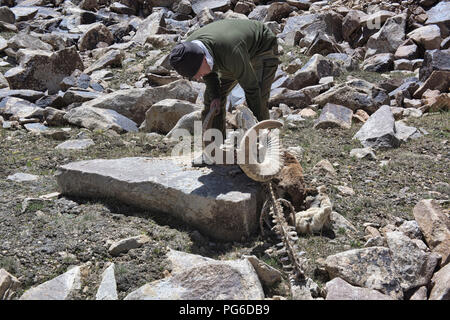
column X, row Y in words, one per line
column 219, row 204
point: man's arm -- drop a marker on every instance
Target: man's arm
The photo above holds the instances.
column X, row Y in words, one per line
column 212, row 85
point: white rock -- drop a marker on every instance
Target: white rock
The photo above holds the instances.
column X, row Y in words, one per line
column 77, row 144
column 108, row 287
column 58, row 288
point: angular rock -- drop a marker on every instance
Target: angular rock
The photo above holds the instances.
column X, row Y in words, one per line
column 24, row 13
column 125, row 245
column 440, row 15
column 310, row 74
column 19, row 108
column 322, row 44
column 54, row 117
column 225, row 209
column 96, row 33
column 112, row 58
column 433, row 60
column 334, row 115
column 420, row 294
column 22, row 177
column 363, row 153
column 404, row 132
column 390, row 36
column 277, row 11
column 58, row 288
column 42, row 70
column 267, row 274
column 214, row 5
column 381, row 62
column 35, row 127
column 7, row 15
column 324, row 166
column 78, row 144
column 354, row 94
column 164, row 115
column 97, row 118
column 292, row 98
column 152, row 25
column 300, row 4
column 329, row 23
column 360, row 116
column 186, row 122
column 347, row 62
column 413, row 266
column 202, row 278
column 411, row 229
column 379, row 130
column 441, row 284
column 438, row 80
column 24, row 40
column 435, row 227
column 408, row 50
column 428, row 37
column 338, row 289
column 352, row 24
column 372, row 268
column 307, row 113
column 79, row 96
column 108, row 287
column 8, row 285
column 133, row 103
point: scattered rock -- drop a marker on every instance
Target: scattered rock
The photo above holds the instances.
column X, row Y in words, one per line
column 77, row 144
column 354, row 94
column 379, row 130
column 58, row 288
column 420, row 294
column 334, row 115
column 125, row 245
column 338, row 289
column 8, row 285
column 441, row 284
column 207, row 280
column 372, row 268
column 267, row 274
column 428, row 36
column 42, row 70
column 22, row 177
column 97, row 118
column 413, row 266
column 435, row 227
column 164, row 115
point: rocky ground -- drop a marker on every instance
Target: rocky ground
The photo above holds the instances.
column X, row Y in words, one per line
column 375, row 78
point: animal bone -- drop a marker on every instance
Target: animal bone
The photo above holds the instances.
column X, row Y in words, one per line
column 316, row 218
column 272, row 163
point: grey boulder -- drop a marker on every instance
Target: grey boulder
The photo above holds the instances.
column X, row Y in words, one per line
column 379, row 130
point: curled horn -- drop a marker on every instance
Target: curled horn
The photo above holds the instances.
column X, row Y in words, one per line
column 273, row 160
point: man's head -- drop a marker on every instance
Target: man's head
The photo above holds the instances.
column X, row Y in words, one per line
column 188, row 60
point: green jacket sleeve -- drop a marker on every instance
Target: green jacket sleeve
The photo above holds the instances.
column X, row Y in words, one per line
column 212, row 85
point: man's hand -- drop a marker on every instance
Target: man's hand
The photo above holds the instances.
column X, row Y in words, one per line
column 215, row 105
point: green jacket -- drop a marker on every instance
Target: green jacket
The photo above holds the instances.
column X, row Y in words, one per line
column 233, row 43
